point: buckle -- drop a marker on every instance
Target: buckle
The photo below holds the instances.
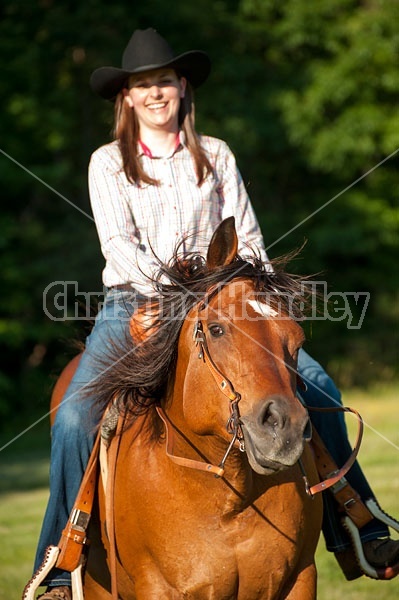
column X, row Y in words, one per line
column 337, row 487
column 198, row 333
column 80, row 519
column 349, row 503
column 78, row 539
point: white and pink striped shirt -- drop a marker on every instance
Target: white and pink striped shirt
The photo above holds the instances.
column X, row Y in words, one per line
column 137, row 221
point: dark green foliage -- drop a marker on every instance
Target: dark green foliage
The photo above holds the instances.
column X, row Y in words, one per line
column 305, row 93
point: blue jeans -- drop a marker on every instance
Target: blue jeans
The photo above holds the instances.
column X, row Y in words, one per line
column 75, row 425
column 74, row 429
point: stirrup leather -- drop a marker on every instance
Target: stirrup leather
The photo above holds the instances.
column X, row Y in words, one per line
column 68, row 555
column 356, row 513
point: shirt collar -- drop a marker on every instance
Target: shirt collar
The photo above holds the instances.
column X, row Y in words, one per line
column 144, row 150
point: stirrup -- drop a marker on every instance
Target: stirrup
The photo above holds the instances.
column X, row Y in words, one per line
column 50, row 558
column 49, row 561
column 373, row 572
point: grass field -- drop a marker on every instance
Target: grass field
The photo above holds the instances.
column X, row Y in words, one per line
column 23, row 495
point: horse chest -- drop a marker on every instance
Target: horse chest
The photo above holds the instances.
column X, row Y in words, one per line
column 194, row 551
column 186, row 537
column 204, row 567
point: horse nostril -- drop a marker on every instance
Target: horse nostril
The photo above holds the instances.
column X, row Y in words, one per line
column 272, row 418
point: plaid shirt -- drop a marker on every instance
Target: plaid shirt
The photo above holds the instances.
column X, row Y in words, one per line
column 136, row 222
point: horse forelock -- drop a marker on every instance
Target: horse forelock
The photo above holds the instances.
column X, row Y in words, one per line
column 139, row 374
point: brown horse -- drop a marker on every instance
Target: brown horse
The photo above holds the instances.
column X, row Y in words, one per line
column 216, row 376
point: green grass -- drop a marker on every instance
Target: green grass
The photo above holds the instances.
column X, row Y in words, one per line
column 23, row 496
column 21, row 514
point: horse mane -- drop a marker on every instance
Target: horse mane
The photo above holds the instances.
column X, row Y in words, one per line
column 138, row 375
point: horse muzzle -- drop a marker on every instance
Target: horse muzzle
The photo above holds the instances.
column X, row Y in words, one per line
column 275, row 433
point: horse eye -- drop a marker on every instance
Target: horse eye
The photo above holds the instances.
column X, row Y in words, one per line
column 216, row 330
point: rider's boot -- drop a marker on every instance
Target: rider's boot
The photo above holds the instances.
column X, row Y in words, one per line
column 57, row 593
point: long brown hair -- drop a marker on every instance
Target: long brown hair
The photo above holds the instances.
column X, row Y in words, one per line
column 126, row 131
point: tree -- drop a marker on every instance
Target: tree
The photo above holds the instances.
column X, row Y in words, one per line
column 304, row 92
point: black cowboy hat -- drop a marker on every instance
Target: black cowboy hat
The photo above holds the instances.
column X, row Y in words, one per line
column 145, row 51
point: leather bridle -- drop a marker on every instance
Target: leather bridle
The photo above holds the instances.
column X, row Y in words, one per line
column 233, row 425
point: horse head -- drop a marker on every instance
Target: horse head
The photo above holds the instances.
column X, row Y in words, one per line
column 238, row 350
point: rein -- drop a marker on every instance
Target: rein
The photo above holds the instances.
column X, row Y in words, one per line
column 326, row 465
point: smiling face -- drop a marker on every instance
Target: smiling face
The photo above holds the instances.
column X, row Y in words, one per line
column 155, row 97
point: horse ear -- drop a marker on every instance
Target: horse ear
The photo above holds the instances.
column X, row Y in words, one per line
column 223, row 246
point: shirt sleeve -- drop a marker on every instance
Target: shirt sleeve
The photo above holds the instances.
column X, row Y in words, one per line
column 236, row 203
column 115, row 224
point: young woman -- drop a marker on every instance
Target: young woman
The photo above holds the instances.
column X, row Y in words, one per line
column 157, row 183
